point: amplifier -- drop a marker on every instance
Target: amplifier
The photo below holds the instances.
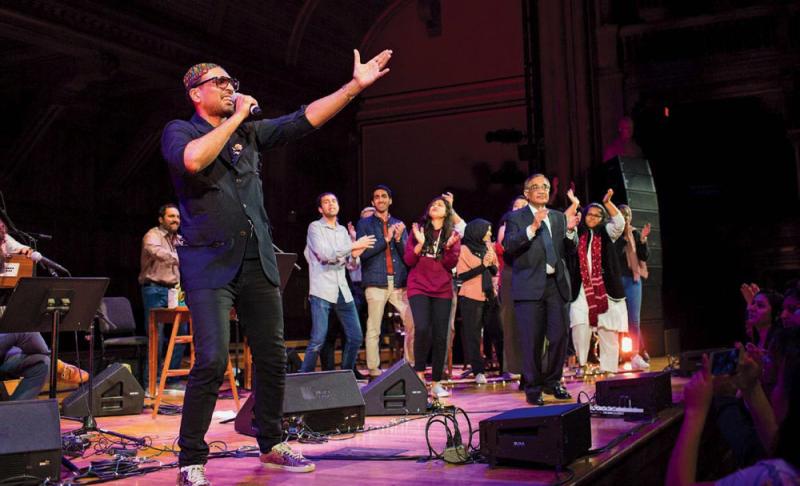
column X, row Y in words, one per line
column 30, row 441
column 649, row 391
column 554, row 435
column 398, row 391
column 326, row 401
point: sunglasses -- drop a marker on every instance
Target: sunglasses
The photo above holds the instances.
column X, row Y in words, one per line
column 221, row 82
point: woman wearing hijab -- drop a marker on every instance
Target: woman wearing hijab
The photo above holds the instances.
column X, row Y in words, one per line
column 477, row 264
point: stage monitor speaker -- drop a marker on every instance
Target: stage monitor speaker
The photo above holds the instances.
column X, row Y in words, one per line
column 554, row 435
column 115, row 392
column 30, row 440
column 323, row 402
column 692, row 360
column 649, row 391
column 398, row 391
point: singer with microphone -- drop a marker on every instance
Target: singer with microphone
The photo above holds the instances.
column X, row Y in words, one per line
column 227, row 258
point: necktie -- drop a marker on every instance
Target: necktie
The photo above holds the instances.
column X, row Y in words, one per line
column 547, row 240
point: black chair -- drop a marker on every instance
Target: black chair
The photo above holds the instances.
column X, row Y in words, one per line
column 118, row 337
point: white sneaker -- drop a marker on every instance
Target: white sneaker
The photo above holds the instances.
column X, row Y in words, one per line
column 480, row 379
column 194, row 475
column 638, row 363
column 439, row 391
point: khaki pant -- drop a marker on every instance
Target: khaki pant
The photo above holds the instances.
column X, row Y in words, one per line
column 376, row 298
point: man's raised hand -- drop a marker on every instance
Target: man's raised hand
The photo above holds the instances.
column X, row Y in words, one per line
column 369, row 72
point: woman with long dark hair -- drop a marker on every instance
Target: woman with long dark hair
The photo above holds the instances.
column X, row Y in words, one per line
column 431, row 253
column 633, row 253
column 764, row 317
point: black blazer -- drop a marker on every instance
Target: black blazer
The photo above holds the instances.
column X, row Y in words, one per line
column 219, row 203
column 529, row 275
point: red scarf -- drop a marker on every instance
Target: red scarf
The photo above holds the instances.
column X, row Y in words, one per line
column 593, row 285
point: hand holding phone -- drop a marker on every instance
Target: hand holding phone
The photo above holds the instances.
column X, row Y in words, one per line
column 725, row 362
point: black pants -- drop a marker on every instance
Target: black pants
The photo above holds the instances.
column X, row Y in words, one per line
column 493, row 331
column 258, row 305
column 431, row 320
column 472, row 323
column 537, row 319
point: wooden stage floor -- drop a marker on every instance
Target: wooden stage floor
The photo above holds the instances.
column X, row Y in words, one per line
column 406, row 439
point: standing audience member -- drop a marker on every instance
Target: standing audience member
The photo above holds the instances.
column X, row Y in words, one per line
column 431, row 253
column 539, row 239
column 384, row 275
column 633, row 253
column 328, row 352
column 512, row 356
column 329, row 250
column 598, row 298
column 477, row 266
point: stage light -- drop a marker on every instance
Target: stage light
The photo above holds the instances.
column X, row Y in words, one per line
column 627, row 344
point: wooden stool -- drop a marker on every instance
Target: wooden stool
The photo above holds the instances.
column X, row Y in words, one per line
column 178, row 316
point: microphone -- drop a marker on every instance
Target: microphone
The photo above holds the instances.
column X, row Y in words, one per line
column 255, row 110
column 48, row 263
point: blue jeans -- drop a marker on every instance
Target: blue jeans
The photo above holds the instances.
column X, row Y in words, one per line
column 154, row 296
column 633, row 300
column 28, row 360
column 348, row 316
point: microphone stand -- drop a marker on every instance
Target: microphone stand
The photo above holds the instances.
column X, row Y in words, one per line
column 89, row 423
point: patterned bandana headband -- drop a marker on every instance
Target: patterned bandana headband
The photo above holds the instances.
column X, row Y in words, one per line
column 196, row 72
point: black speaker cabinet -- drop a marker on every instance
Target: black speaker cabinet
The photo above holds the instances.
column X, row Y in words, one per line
column 554, row 435
column 115, row 392
column 692, row 360
column 398, row 391
column 327, row 401
column 30, row 440
column 649, row 391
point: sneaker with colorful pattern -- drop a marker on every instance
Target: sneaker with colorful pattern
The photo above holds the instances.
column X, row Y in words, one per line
column 283, row 457
column 194, row 475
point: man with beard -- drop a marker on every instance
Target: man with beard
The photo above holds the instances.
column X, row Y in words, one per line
column 227, row 260
column 159, row 273
column 384, row 275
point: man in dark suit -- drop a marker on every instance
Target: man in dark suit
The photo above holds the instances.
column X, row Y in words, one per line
column 538, row 239
column 215, row 162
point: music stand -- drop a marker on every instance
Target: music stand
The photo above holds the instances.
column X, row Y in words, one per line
column 286, row 262
column 41, row 304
